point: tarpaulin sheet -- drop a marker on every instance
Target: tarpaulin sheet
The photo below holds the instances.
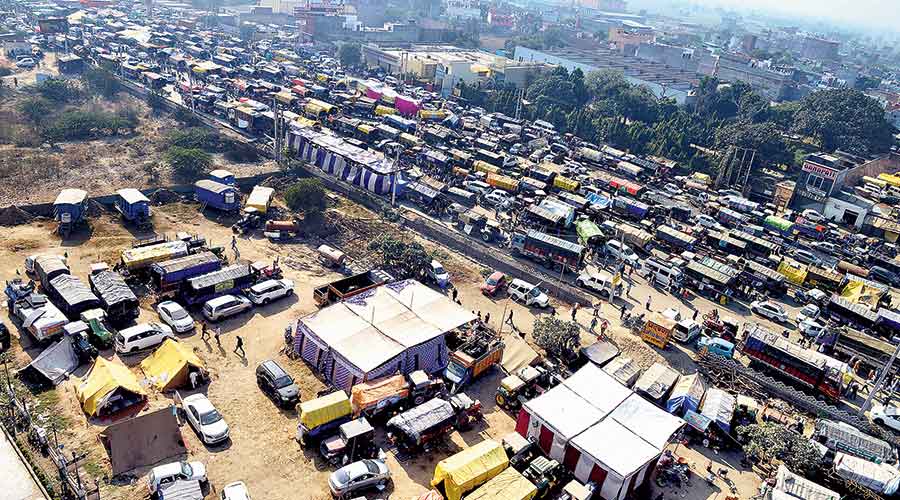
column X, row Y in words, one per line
column 880, row 478
column 105, row 377
column 843, row 437
column 72, row 290
column 791, row 486
column 112, row 288
column 427, row 415
column 796, row 275
column 687, row 394
column 508, row 485
column 623, row 369
column 859, row 292
column 517, row 354
column 135, row 258
column 470, row 468
column 316, row 412
column 143, row 440
column 260, row 198
column 656, row 381
column 365, row 394
column 697, row 421
column 57, row 361
column 168, row 366
column 718, row 406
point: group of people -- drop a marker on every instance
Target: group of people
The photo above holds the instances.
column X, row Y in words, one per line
column 217, row 332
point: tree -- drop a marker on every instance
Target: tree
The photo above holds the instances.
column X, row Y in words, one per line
column 557, row 337
column 306, row 195
column 402, row 259
column 156, row 101
column 844, row 119
column 101, row 82
column 770, row 441
column 350, row 55
column 188, row 163
column 58, row 90
column 35, row 109
column 867, row 82
column 765, row 138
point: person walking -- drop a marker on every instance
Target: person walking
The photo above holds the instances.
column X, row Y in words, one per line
column 239, row 346
column 455, row 295
column 622, row 312
column 216, row 334
column 487, row 318
column 575, row 310
column 593, row 324
column 603, row 327
column 204, row 332
column 648, row 303
column 509, row 319
column 696, row 312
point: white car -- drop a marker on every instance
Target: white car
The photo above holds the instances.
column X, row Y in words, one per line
column 810, row 328
column 205, row 419
column 623, row 252
column 812, row 216
column 225, row 306
column 888, row 416
column 768, row 309
column 809, row 313
column 235, row 491
column 597, row 280
column 172, row 314
column 497, row 198
column 269, row 290
column 478, row 187
column 707, row 221
column 26, row 63
column 671, row 188
column 438, row 274
column 164, row 475
column 142, row 336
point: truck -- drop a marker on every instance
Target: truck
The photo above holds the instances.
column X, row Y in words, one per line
column 383, row 398
column 345, row 288
column 417, row 428
column 142, row 257
column 47, row 267
column 170, row 275
column 321, row 417
column 503, row 182
column 630, row 208
column 222, row 197
column 476, row 223
column 35, row 313
column 217, row 283
column 676, row 238
column 551, row 251
column 475, row 357
column 71, row 295
column 630, row 235
column 116, row 297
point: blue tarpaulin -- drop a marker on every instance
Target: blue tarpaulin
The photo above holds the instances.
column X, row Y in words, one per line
column 686, row 395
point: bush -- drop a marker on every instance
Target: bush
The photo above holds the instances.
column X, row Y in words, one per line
column 195, row 138
column 59, row 90
column 79, row 125
column 241, row 152
column 156, row 101
column 557, row 337
column 35, row 109
column 186, row 118
column 307, row 195
column 188, row 163
column 100, row 81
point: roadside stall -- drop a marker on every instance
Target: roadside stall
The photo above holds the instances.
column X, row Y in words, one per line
column 656, row 382
column 686, row 395
column 657, row 330
column 719, row 406
column 623, row 369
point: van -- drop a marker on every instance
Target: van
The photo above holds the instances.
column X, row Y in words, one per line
column 686, row 331
column 662, row 273
column 142, row 336
column 528, row 294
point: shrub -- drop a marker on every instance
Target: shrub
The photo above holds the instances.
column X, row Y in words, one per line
column 195, row 138
column 307, row 195
column 100, row 81
column 35, row 109
column 241, row 152
column 79, row 125
column 59, row 90
column 188, row 163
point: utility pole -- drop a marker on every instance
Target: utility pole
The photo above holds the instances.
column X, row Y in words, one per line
column 879, row 383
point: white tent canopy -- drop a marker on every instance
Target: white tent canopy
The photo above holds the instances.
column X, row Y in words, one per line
column 614, row 448
column 565, row 413
column 598, row 388
column 790, row 486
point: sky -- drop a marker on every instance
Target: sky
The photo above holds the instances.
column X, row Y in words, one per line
column 876, row 14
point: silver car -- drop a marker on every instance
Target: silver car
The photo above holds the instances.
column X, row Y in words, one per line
column 359, row 476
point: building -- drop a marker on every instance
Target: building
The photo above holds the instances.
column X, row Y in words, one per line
column 682, row 58
column 774, row 83
column 819, row 49
column 824, row 177
column 662, row 80
column 630, row 35
column 462, row 9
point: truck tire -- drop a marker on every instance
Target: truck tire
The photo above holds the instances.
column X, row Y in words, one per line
column 486, row 237
column 501, row 401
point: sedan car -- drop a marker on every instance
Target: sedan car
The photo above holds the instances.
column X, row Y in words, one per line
column 269, row 290
column 494, row 284
column 812, row 216
column 671, row 188
column 172, row 314
column 806, row 257
column 769, row 309
column 205, row 419
column 235, row 491
column 707, row 221
column 888, row 416
column 359, row 476
column 163, row 475
column 496, row 198
column 809, row 313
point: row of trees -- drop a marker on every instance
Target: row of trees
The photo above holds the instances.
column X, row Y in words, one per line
column 604, row 107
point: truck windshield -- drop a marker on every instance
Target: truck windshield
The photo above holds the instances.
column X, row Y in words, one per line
column 455, row 372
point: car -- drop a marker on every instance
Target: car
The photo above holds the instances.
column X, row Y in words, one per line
column 493, row 284
column 277, row 384
column 623, row 252
column 887, row 416
column 172, row 314
column 671, row 188
column 706, row 221
column 812, row 215
column 205, row 419
column 438, row 274
column 770, row 310
column 883, row 275
column 810, row 328
column 266, row 291
column 806, row 257
column 598, row 280
column 358, row 476
column 225, row 306
column 478, row 187
column 26, row 63
column 142, row 336
column 496, row 198
column 827, row 247
column 164, row 475
column 809, row 312
column 235, row 491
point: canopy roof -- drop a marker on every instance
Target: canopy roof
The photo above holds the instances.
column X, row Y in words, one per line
column 790, row 486
column 564, row 411
column 70, row 197
column 657, row 380
column 131, row 196
column 615, row 446
column 56, row 361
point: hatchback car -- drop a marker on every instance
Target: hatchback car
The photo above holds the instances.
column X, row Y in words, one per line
column 812, row 215
column 497, row 198
column 806, row 257
column 269, row 290
column 493, row 284
column 277, row 384
column 172, row 314
column 478, row 187
column 359, row 476
column 707, row 221
column 164, row 475
column 205, row 419
column 225, row 306
column 770, row 310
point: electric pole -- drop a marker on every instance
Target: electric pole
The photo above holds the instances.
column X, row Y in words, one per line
column 879, row 383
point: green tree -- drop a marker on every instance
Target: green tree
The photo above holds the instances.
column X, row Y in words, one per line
column 764, row 138
column 203, row 138
column 844, row 119
column 402, row 259
column 58, row 90
column 867, row 82
column 557, row 337
column 188, row 163
column 350, row 55
column 101, row 82
column 307, row 195
column 770, row 441
column 35, row 109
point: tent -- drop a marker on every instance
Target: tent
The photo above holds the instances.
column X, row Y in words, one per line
column 686, row 395
column 790, row 486
column 656, row 381
column 508, row 485
column 142, row 440
column 625, row 370
column 57, row 361
column 718, row 406
column 470, row 468
column 517, row 354
column 880, row 478
column 108, row 388
column 170, row 365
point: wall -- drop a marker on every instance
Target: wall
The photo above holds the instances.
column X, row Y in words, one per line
column 835, row 208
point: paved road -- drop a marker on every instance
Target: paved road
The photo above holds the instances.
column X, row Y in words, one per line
column 15, row 481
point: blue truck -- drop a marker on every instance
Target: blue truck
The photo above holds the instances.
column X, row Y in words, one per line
column 69, row 209
column 630, row 208
column 168, row 276
column 217, row 195
column 134, row 206
column 208, row 286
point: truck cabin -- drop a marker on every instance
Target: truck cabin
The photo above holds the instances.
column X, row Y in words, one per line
column 350, row 286
column 222, row 177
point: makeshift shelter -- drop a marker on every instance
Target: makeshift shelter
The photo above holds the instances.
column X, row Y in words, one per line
column 143, row 440
column 880, row 478
column 600, row 352
column 107, row 388
column 790, row 486
column 686, row 395
column 656, row 382
column 470, row 468
column 517, row 354
column 260, row 199
column 624, row 369
column 718, row 406
column 56, row 362
column 169, row 367
column 508, row 485
column 845, row 438
column 395, row 328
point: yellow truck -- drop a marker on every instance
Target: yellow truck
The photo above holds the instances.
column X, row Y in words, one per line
column 503, row 182
column 322, row 416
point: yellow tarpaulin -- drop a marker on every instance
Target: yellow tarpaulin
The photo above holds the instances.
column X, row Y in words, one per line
column 796, row 275
column 104, row 377
column 384, row 110
column 893, row 180
column 701, row 178
column 136, row 258
column 508, row 485
column 565, row 183
column 470, row 468
column 858, row 292
column 167, row 368
column 260, row 198
column 316, row 412
column 303, row 122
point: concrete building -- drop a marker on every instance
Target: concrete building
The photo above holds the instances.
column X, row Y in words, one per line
column 825, row 177
column 673, row 56
column 819, row 49
column 628, row 37
column 662, row 80
column 462, row 9
column 772, row 82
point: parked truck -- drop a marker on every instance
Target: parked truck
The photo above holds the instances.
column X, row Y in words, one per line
column 33, row 311
column 170, row 275
column 47, row 267
column 116, row 297
column 417, row 428
column 478, row 354
column 345, row 288
column 383, row 398
column 630, row 208
column 549, row 250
